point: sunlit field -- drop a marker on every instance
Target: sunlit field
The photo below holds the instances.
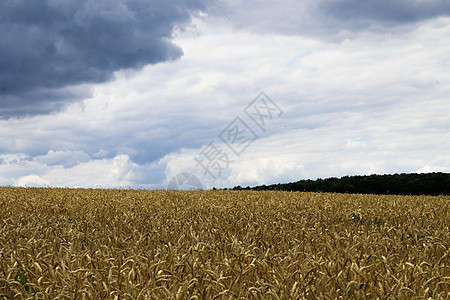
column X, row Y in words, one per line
column 130, row 244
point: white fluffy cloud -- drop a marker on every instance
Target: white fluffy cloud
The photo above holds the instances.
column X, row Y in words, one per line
column 119, row 171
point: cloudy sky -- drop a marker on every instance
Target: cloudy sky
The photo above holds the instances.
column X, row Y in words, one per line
column 130, row 93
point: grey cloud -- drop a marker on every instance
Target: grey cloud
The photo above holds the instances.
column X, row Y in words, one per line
column 327, row 19
column 47, row 46
column 400, row 11
column 66, row 158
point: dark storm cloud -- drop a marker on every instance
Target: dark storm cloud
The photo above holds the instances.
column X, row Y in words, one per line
column 48, row 46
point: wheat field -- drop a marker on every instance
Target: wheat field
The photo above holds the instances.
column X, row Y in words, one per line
column 136, row 244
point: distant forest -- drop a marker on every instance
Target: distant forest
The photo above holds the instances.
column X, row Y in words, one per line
column 396, row 184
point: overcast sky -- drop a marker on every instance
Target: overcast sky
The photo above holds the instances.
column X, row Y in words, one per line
column 130, row 93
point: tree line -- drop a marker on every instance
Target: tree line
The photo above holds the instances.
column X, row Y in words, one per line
column 394, row 184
